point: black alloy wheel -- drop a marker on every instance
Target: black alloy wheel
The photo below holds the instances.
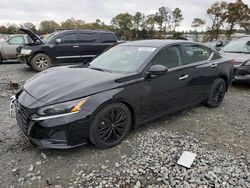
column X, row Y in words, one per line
column 110, row 125
column 217, row 94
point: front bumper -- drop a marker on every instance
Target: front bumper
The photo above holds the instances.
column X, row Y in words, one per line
column 23, row 58
column 242, row 73
column 61, row 132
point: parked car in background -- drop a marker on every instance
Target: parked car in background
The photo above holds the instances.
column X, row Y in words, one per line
column 65, row 47
column 124, row 87
column 239, row 50
column 218, row 44
column 3, row 37
column 9, row 46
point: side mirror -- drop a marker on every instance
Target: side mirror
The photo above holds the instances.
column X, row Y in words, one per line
column 58, row 41
column 157, row 70
column 219, row 44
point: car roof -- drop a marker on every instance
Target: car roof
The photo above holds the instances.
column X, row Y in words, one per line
column 84, row 30
column 155, row 43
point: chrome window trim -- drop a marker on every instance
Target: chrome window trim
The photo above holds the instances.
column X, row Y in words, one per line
column 74, row 56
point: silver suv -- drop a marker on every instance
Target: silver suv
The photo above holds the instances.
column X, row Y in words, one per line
column 8, row 47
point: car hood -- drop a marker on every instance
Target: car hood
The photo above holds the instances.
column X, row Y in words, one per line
column 35, row 38
column 61, row 84
column 238, row 57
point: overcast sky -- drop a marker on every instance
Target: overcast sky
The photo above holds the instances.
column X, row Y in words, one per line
column 19, row 11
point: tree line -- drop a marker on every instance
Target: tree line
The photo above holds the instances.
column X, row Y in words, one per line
column 225, row 18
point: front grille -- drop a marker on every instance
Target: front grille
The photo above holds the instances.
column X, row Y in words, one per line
column 23, row 117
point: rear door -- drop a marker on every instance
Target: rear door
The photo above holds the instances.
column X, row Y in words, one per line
column 68, row 50
column 87, row 45
column 105, row 41
column 202, row 71
column 11, row 46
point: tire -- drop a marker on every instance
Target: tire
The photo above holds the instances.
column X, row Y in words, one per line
column 104, row 130
column 40, row 62
column 217, row 93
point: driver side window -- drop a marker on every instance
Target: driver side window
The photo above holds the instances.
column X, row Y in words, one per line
column 18, row 40
column 69, row 38
column 170, row 57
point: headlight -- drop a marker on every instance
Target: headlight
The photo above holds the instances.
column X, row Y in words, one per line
column 247, row 63
column 25, row 51
column 62, row 108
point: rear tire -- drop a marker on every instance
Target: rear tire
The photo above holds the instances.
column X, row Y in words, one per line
column 40, row 62
column 110, row 125
column 217, row 93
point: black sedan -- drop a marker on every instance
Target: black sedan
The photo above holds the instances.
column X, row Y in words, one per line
column 130, row 84
column 239, row 50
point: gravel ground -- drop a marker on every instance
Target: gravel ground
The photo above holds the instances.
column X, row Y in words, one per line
column 147, row 157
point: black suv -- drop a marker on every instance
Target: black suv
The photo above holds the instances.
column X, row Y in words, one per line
column 64, row 47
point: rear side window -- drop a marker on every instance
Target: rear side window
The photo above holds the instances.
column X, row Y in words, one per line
column 86, row 37
column 197, row 53
column 18, row 40
column 170, row 57
column 69, row 38
column 107, row 37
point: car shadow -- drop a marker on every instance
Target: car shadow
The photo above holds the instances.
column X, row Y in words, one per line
column 241, row 85
column 10, row 62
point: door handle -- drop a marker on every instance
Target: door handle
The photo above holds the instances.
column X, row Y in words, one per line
column 75, row 46
column 213, row 65
column 183, row 77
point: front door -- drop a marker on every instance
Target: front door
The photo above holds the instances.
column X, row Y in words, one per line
column 166, row 93
column 11, row 46
column 68, row 50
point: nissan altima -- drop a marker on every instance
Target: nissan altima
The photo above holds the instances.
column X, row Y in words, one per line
column 64, row 107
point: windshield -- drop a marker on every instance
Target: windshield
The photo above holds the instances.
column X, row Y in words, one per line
column 50, row 36
column 238, row 46
column 122, row 59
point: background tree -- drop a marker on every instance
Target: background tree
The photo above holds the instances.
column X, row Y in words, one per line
column 138, row 21
column 3, row 29
column 235, row 12
column 177, row 17
column 73, row 24
column 30, row 26
column 198, row 23
column 122, row 23
column 217, row 14
column 48, row 26
column 150, row 25
column 162, row 18
column 12, row 28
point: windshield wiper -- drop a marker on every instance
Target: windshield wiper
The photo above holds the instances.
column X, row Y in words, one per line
column 239, row 52
column 99, row 69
